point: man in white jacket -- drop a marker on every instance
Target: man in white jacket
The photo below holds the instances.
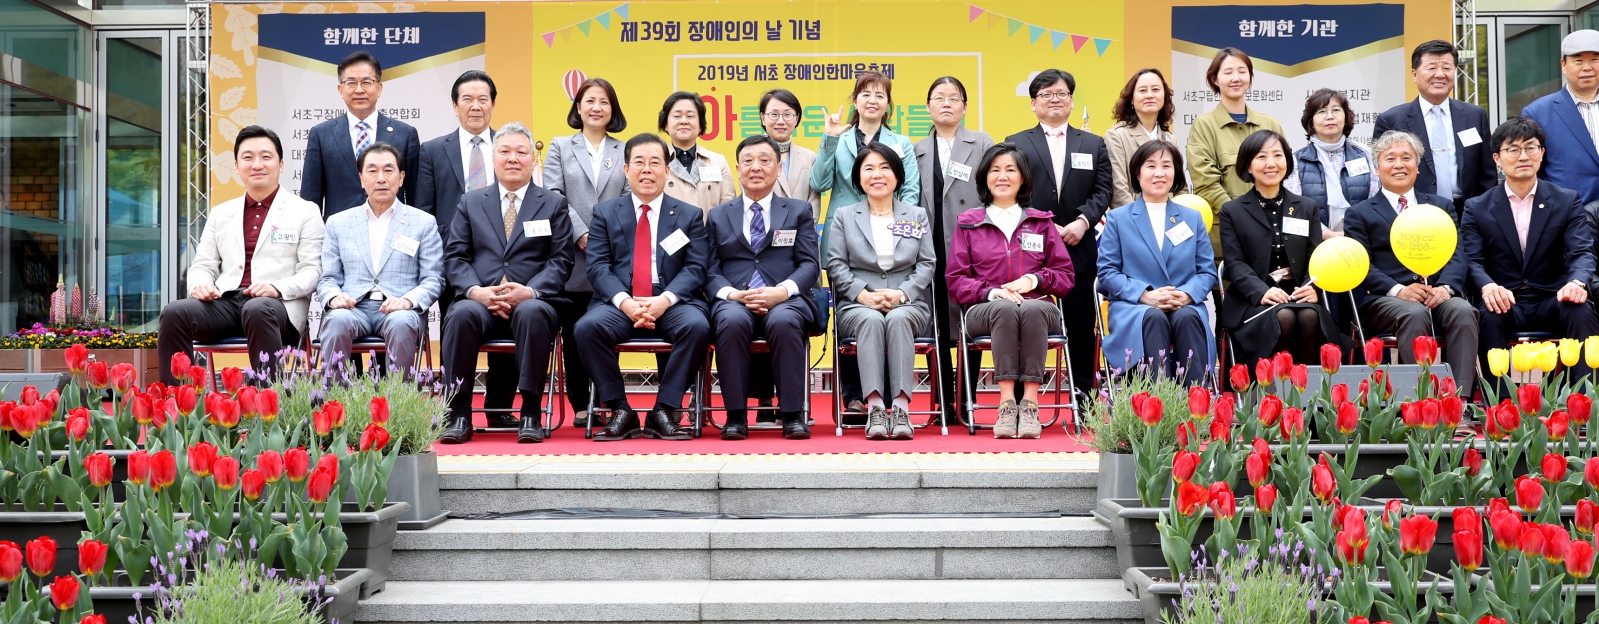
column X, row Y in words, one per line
column 256, row 267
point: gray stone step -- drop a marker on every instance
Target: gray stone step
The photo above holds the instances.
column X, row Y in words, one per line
column 970, row 601
column 757, row 549
column 749, row 485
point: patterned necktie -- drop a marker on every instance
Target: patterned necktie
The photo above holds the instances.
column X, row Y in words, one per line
column 478, row 178
column 642, row 256
column 510, row 215
column 1403, row 203
column 1440, row 135
column 757, row 238
column 362, row 139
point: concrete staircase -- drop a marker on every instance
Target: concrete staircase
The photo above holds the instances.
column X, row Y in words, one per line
column 914, row 568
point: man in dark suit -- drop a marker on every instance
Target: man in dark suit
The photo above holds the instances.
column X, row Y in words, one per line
column 1530, row 249
column 1072, row 174
column 330, row 179
column 646, row 284
column 764, row 262
column 1398, row 301
column 1456, row 162
column 452, row 165
column 509, row 251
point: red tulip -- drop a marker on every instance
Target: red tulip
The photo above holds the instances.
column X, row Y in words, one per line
column 1425, row 348
column 1322, row 482
column 1293, row 423
column 1382, row 384
column 1431, row 414
column 1468, row 549
column 1348, row 418
column 1265, row 497
column 1446, row 387
column 1185, row 432
column 1507, row 419
column 180, row 366
column 1359, row 620
column 1263, row 370
column 1282, row 365
column 1488, row 619
column 1556, row 542
column 10, row 562
column 227, row 413
column 186, row 398
column 1586, row 511
column 1258, row 467
column 1529, row 494
column 253, row 483
column 1580, row 407
column 1579, row 559
column 1137, row 401
column 270, row 463
column 247, row 401
column 163, row 470
column 1224, row 504
column 1590, row 472
column 1554, row 467
column 379, row 408
column 335, row 409
column 1473, row 462
column 1417, row 534
column 1191, row 497
column 1531, row 397
column 1240, row 378
column 64, row 592
column 1531, row 539
column 1331, row 358
column 143, row 406
column 99, row 374
column 1352, row 545
column 322, row 422
column 98, row 465
column 1340, row 393
column 201, row 456
column 232, row 379
column 266, row 404
column 124, row 377
column 320, row 484
column 1450, row 409
column 1373, row 351
column 376, row 438
column 1271, row 408
column 1299, row 375
column 41, row 556
column 226, row 472
column 78, row 424
column 329, row 461
column 138, row 467
column 1467, row 518
column 92, row 619
column 1557, row 424
column 77, row 357
column 1497, row 504
column 1221, row 427
column 24, row 421
column 1260, row 446
column 1226, row 406
column 1342, row 511
column 296, row 463
column 91, row 556
column 1391, row 511
column 200, row 377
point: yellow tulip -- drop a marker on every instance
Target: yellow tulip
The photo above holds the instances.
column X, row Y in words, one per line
column 1570, row 352
column 1498, row 362
column 1521, row 357
column 1548, row 357
column 1592, row 351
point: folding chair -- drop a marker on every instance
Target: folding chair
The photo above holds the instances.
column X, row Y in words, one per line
column 968, row 371
column 550, row 411
column 695, row 408
column 926, row 347
column 373, row 344
column 237, row 345
column 757, row 345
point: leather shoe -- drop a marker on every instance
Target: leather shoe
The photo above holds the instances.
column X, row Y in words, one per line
column 502, row 421
column 459, row 431
column 622, row 425
column 735, row 430
column 794, row 427
column 530, row 431
column 662, row 424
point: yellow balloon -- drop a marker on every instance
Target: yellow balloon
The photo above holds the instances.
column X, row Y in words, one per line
column 1339, row 264
column 1197, row 203
column 1424, row 238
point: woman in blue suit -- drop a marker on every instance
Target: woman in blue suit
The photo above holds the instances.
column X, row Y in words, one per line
column 1156, row 266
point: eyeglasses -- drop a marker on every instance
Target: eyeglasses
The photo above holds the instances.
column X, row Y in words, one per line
column 352, row 83
column 945, row 100
column 1328, row 112
column 783, row 116
column 1516, row 152
column 1051, row 96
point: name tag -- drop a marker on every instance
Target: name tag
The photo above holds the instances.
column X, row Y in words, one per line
column 1082, row 161
column 539, row 227
column 784, row 238
column 280, row 236
column 960, row 171
column 1469, row 137
column 1297, row 227
column 674, row 242
column 710, row 174
column 404, row 244
column 1357, row 167
column 898, row 150
column 1033, row 242
column 1179, row 233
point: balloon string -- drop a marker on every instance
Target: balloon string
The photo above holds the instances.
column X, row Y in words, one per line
column 1308, row 282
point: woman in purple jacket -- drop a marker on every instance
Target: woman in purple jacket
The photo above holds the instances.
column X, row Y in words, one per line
column 1004, row 262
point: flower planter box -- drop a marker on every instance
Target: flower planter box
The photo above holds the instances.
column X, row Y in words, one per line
column 54, row 361
column 1157, row 594
column 65, row 527
column 415, row 480
column 1138, row 540
column 1585, row 594
column 1375, row 459
column 1118, row 478
column 371, row 541
column 121, row 601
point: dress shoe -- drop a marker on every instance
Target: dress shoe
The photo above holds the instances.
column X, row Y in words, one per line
column 622, row 425
column 901, row 428
column 855, row 414
column 1027, row 425
column 877, row 424
column 459, row 431
column 503, row 421
column 736, row 429
column 794, row 427
column 1005, row 426
column 580, row 419
column 662, row 424
column 531, row 430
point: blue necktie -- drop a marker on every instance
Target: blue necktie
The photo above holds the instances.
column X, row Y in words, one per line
column 757, row 238
column 1441, row 136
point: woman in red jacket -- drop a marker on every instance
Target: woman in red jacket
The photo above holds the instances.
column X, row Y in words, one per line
column 1005, row 261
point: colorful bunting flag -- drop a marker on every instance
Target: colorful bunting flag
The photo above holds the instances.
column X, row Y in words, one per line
column 549, row 39
column 585, row 26
column 976, row 13
column 1101, row 44
column 1034, row 32
column 1077, row 42
column 1057, row 37
column 1014, row 25
column 622, row 11
column 604, row 19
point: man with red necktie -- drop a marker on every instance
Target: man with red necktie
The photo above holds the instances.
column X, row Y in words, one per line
column 647, row 256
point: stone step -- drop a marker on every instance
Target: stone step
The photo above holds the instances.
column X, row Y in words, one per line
column 751, row 485
column 757, row 549
column 1037, row 601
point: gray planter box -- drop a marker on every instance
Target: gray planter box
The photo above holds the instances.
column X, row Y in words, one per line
column 117, row 602
column 415, row 480
column 1118, row 478
column 1159, row 597
column 1402, row 376
column 1138, row 540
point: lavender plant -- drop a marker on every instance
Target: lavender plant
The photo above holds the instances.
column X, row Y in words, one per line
column 1242, row 586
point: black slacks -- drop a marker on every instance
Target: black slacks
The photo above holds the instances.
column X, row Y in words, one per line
column 469, row 324
column 783, row 328
column 604, row 326
column 263, row 321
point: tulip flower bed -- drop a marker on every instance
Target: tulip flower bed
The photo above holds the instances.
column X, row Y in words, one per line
column 1517, row 510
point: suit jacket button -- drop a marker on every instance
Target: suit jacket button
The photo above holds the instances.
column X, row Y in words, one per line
column 506, row 264
column 963, row 202
column 669, row 183
column 757, row 262
column 885, row 276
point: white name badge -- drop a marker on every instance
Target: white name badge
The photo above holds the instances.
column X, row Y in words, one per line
column 674, row 242
column 1033, row 242
column 279, row 236
column 1297, row 227
column 1357, row 167
column 1179, row 233
column 405, row 244
column 1082, row 161
column 898, row 150
column 784, row 238
column 540, row 227
column 960, row 171
column 710, row 174
column 1469, row 137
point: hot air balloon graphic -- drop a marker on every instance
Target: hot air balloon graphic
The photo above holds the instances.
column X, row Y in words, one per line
column 571, row 81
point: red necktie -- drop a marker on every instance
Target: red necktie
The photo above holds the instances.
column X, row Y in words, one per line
column 643, row 247
column 1403, row 204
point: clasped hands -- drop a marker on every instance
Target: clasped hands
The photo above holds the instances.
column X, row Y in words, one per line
column 1430, row 296
column 208, row 292
column 644, row 311
column 880, row 300
column 500, row 299
column 760, row 300
column 392, row 304
column 1275, row 296
column 1167, row 298
column 1013, row 290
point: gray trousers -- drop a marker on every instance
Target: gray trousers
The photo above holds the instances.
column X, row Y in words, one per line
column 401, row 331
column 1020, row 335
column 885, row 345
column 1455, row 320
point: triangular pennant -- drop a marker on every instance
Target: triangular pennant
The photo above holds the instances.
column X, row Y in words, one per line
column 994, row 18
column 622, row 11
column 1056, row 37
column 1077, row 42
column 975, row 13
column 549, row 39
column 1033, row 33
column 584, row 26
column 1014, row 25
column 604, row 19
column 566, row 35
column 1101, row 44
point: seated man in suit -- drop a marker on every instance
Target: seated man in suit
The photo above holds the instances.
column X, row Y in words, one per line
column 509, row 252
column 1398, row 301
column 764, row 261
column 330, row 178
column 256, row 266
column 382, row 266
column 1530, row 248
column 646, row 284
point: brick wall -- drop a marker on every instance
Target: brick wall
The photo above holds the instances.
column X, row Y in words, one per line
column 35, row 178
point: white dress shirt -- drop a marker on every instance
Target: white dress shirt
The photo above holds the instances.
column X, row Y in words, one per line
column 377, row 231
column 655, row 259
column 766, row 209
column 595, row 152
column 883, row 240
column 466, row 155
column 1441, row 129
column 1056, row 138
column 355, row 133
column 1589, row 111
column 1157, row 222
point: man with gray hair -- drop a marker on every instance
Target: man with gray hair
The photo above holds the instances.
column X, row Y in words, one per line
column 509, row 251
column 1399, row 301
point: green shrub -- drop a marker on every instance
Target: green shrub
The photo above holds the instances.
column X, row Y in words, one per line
column 416, row 407
column 239, row 593
column 1243, row 588
column 1112, row 423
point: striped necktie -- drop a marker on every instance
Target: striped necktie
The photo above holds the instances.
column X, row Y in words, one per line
column 478, row 177
column 363, row 139
column 757, row 238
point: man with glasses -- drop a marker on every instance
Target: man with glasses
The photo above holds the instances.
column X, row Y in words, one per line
column 330, row 178
column 1456, row 163
column 1570, row 118
column 1530, row 249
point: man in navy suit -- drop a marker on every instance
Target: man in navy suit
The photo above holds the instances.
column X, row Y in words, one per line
column 1456, row 163
column 1570, row 118
column 330, row 178
column 646, row 284
column 1530, row 247
column 1398, row 301
column 764, row 262
column 508, row 253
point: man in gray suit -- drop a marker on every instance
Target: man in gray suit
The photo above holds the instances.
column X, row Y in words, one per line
column 331, row 179
column 382, row 265
column 762, row 268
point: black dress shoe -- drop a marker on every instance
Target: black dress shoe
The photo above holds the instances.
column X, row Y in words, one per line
column 662, row 424
column 736, row 429
column 530, row 432
column 502, row 421
column 459, row 431
column 622, row 425
column 794, row 427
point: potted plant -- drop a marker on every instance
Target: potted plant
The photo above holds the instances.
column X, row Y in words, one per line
column 1114, row 425
column 40, row 348
column 1241, row 586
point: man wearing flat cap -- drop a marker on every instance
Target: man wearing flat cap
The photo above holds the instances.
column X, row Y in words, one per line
column 1570, row 118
